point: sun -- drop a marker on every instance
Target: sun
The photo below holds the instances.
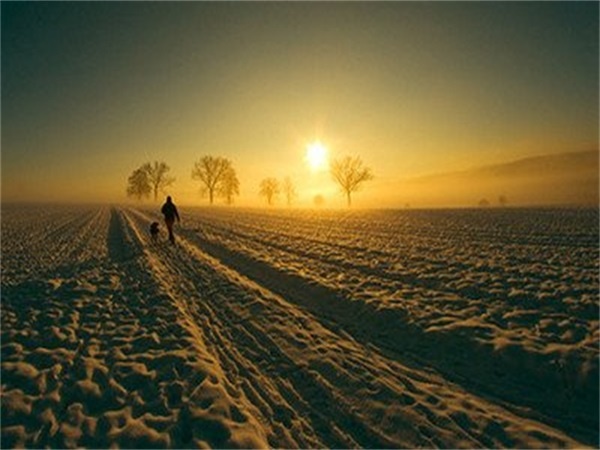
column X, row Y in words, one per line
column 316, row 156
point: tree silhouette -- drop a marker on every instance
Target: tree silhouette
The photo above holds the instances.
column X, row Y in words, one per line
column 138, row 185
column 229, row 185
column 349, row 173
column 269, row 188
column 211, row 170
column 502, row 200
column 157, row 176
column 289, row 190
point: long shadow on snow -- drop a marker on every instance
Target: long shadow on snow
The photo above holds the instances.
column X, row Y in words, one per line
column 120, row 245
column 511, row 376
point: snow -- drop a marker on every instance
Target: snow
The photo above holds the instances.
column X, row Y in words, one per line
column 291, row 328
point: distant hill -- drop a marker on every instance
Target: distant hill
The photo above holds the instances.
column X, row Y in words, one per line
column 559, row 179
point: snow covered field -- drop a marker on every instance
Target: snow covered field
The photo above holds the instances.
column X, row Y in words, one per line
column 464, row 328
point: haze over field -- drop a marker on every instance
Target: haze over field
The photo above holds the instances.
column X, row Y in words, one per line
column 90, row 91
column 562, row 179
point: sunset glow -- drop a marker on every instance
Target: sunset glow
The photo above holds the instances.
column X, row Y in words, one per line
column 419, row 89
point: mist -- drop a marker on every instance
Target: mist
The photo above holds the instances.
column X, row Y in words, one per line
column 561, row 179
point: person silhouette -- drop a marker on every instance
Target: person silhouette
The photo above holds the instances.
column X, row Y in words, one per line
column 169, row 210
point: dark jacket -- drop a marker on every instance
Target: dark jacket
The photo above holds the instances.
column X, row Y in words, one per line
column 169, row 210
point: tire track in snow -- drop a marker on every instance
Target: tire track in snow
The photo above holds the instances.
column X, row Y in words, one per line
column 215, row 401
column 374, row 401
column 306, row 389
column 201, row 320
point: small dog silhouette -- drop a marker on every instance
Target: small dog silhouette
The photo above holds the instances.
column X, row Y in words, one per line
column 154, row 231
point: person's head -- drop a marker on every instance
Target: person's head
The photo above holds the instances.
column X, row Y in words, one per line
column 168, row 199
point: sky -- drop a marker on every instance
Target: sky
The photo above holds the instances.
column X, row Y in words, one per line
column 92, row 90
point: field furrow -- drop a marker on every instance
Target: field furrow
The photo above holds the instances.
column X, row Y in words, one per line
column 277, row 329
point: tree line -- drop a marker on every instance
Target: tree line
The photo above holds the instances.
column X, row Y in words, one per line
column 218, row 178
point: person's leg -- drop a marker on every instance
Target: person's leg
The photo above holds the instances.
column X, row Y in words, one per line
column 170, row 228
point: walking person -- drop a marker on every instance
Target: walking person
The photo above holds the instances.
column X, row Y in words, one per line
column 169, row 210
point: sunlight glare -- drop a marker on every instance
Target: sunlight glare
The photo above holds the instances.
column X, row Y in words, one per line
column 316, row 156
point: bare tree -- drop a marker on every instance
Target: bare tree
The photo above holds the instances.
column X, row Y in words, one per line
column 350, row 173
column 211, row 170
column 269, row 188
column 502, row 200
column 230, row 185
column 157, row 176
column 138, row 185
column 289, row 190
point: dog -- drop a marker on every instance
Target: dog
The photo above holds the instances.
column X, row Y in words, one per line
column 154, row 231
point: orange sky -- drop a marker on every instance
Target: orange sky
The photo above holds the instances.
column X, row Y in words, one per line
column 94, row 90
